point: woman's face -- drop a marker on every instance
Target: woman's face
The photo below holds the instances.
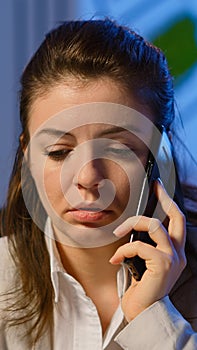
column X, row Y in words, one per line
column 86, row 157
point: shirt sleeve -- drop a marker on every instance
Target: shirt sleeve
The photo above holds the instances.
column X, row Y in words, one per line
column 160, row 326
column 3, row 345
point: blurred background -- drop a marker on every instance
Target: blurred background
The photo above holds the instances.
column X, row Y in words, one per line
column 170, row 24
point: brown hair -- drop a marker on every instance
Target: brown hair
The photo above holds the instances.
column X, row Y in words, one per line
column 85, row 50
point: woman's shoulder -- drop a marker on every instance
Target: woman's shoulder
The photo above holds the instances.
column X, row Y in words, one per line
column 183, row 294
column 7, row 266
column 4, row 249
column 191, row 247
column 190, row 202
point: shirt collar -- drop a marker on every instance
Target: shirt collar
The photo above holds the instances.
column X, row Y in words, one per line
column 55, row 260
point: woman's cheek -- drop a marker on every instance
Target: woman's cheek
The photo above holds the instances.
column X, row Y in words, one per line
column 52, row 185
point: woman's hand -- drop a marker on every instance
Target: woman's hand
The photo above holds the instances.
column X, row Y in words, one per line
column 164, row 262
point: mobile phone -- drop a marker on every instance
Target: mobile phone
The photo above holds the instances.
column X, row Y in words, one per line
column 159, row 165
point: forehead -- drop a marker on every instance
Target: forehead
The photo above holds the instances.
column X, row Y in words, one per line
column 72, row 94
column 93, row 120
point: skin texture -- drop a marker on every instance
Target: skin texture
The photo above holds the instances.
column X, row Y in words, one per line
column 91, row 266
column 77, row 171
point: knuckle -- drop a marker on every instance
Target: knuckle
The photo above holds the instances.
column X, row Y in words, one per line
column 183, row 261
column 181, row 215
column 138, row 244
column 168, row 262
column 179, row 260
column 154, row 225
column 121, row 249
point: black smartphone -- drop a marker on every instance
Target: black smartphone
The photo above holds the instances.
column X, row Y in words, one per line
column 159, row 165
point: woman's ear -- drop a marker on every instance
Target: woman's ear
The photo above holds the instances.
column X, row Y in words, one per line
column 24, row 148
column 22, row 142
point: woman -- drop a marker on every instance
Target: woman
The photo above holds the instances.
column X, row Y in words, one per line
column 77, row 167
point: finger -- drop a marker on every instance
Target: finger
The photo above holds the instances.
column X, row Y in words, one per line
column 177, row 225
column 156, row 261
column 153, row 226
column 129, row 250
column 139, row 223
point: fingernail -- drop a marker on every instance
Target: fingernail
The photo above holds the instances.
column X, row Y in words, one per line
column 118, row 231
column 111, row 260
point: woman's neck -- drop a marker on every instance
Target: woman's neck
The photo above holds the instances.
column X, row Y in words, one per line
column 89, row 265
column 91, row 268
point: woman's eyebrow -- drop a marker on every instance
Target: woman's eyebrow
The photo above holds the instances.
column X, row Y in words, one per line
column 109, row 131
column 53, row 132
column 118, row 129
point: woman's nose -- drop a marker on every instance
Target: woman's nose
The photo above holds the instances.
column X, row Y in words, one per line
column 90, row 175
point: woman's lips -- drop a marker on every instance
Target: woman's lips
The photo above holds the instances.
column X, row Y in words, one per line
column 88, row 215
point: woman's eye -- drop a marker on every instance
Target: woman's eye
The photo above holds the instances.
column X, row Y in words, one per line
column 121, row 152
column 58, row 155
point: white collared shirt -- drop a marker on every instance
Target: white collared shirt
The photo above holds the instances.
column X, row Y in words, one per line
column 76, row 320
column 77, row 325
